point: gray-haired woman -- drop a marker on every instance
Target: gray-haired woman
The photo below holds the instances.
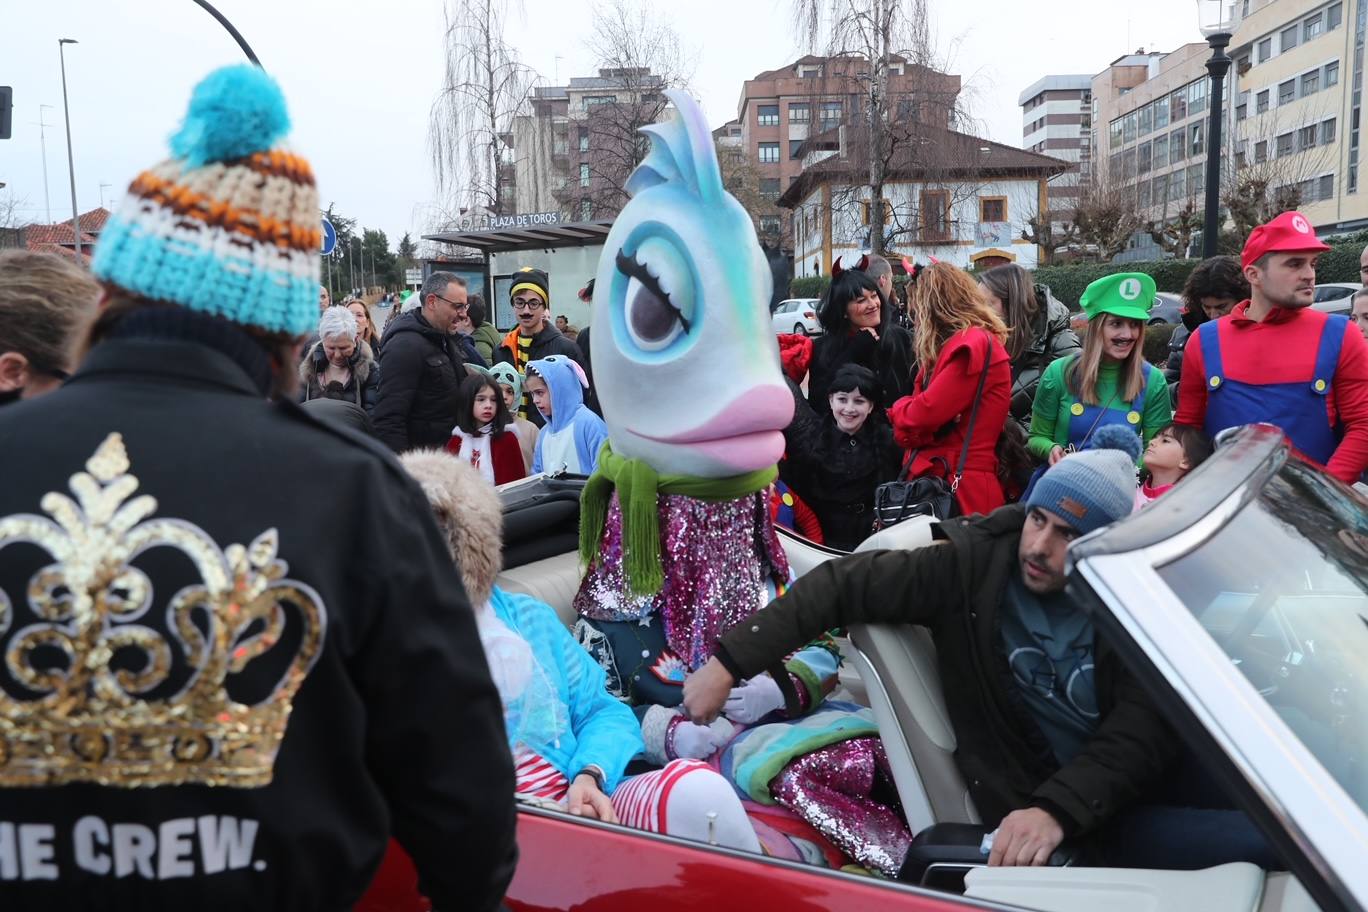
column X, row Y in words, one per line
column 339, row 365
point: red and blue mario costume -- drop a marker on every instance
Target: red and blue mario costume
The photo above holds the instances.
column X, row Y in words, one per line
column 1301, row 369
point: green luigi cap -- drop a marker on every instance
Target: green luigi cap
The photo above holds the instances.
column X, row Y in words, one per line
column 1125, row 294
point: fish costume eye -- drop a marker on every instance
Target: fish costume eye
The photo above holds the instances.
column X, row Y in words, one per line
column 659, row 304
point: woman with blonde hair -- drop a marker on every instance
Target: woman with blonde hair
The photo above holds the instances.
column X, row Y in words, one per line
column 952, row 420
column 1109, row 382
column 365, row 329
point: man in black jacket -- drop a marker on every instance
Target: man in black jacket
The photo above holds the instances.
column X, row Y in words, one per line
column 421, row 367
column 248, row 660
column 1055, row 736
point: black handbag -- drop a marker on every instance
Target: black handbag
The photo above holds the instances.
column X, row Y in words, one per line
column 927, row 495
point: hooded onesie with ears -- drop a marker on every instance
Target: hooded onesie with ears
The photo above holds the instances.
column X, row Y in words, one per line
column 571, row 439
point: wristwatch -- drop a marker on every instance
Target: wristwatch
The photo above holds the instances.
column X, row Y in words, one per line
column 595, row 772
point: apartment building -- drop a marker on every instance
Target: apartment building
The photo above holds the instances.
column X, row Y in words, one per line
column 577, row 144
column 1056, row 120
column 779, row 109
column 1297, row 96
column 1150, row 113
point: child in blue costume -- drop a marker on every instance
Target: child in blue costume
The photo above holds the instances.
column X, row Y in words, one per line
column 571, row 740
column 573, row 434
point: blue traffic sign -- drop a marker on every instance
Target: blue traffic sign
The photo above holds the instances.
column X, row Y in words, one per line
column 329, row 237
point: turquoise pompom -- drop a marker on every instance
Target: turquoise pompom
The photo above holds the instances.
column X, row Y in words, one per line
column 234, row 111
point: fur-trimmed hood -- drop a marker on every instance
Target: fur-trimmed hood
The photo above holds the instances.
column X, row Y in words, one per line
column 469, row 513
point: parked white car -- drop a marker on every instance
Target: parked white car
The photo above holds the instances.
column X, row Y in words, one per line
column 1335, row 297
column 797, row 315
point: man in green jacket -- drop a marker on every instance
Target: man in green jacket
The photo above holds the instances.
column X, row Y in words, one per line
column 1055, row 734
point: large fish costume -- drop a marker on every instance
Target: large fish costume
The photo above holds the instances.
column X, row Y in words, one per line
column 675, row 526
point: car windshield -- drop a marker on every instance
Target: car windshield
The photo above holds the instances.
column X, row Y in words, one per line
column 1283, row 589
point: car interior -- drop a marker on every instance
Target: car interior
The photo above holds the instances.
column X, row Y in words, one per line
column 892, row 669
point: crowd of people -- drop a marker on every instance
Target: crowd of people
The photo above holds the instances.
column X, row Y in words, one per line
column 259, row 428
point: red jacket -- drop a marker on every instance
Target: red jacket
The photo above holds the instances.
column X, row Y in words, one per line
column 917, row 418
column 1282, row 349
column 506, row 453
column 795, row 354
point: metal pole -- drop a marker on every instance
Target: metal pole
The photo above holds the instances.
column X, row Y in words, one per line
column 351, row 262
column 237, row 36
column 1217, row 66
column 42, row 142
column 71, row 166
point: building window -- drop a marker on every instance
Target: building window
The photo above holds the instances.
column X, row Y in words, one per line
column 1327, row 187
column 1146, row 120
column 1115, row 133
column 560, row 144
column 831, row 114
column 586, row 210
column 992, row 208
column 1128, row 165
column 1196, row 179
column 1145, row 199
column 584, row 175
column 1332, row 74
column 1198, row 140
column 1161, row 113
column 1288, row 39
column 1197, row 96
column 1178, row 105
column 794, row 146
column 769, row 224
column 1242, row 106
column 1310, row 83
column 1327, row 132
column 767, row 115
column 1261, row 151
column 1333, row 16
column 591, row 101
column 1264, row 50
column 584, row 139
column 769, row 188
column 1176, row 187
column 1313, row 27
column 865, row 208
column 1177, row 146
column 769, row 153
column 935, row 215
column 1261, row 102
column 799, row 112
column 1128, row 126
column 1287, row 91
column 1306, row 138
column 1285, row 144
column 1160, row 156
column 1144, row 159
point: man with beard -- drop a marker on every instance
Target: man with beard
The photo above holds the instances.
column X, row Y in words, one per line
column 536, row 337
column 1276, row 359
column 1056, row 736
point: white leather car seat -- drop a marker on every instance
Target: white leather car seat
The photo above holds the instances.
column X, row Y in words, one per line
column 554, row 580
column 897, row 663
column 1236, row 887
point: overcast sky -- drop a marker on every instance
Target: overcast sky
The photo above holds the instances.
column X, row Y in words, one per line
column 360, row 76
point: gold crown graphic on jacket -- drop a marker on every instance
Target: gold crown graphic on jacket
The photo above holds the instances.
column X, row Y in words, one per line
column 90, row 669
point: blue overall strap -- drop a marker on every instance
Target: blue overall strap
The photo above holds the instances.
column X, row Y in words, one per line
column 1208, row 336
column 1138, row 405
column 1328, row 353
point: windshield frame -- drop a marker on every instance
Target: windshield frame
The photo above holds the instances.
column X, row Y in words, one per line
column 1303, row 810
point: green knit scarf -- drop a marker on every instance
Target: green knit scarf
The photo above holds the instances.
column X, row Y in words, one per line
column 637, row 485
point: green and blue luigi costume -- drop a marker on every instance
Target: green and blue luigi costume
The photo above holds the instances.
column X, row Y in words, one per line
column 1060, row 417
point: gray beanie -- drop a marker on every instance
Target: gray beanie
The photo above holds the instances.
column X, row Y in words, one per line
column 1088, row 489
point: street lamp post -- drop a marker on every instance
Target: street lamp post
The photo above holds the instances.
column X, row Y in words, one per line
column 1216, row 19
column 42, row 144
column 71, row 166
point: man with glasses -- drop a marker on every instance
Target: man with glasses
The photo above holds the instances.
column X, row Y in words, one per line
column 421, row 367
column 536, row 337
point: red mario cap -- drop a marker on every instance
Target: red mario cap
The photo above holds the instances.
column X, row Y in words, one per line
column 1288, row 232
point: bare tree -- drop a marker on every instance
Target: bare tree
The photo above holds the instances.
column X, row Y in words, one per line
column 483, row 89
column 905, row 94
column 1174, row 233
column 1275, row 166
column 1051, row 230
column 1107, row 217
column 638, row 56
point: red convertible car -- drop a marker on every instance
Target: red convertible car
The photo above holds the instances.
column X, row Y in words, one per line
column 1241, row 599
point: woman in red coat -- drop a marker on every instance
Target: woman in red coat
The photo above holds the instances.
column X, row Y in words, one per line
column 957, row 333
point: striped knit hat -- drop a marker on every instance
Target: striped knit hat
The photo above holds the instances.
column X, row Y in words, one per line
column 229, row 226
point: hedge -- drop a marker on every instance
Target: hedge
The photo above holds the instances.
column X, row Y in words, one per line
column 1339, row 264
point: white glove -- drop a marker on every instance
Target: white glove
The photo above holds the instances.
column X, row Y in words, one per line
column 754, row 700
column 696, row 742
